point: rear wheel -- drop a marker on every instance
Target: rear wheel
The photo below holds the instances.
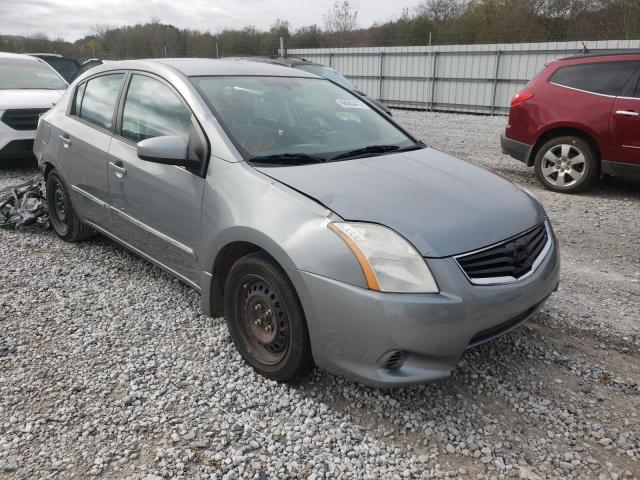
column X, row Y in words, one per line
column 266, row 320
column 63, row 218
column 566, row 164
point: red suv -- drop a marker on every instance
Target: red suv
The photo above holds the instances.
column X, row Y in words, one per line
column 577, row 119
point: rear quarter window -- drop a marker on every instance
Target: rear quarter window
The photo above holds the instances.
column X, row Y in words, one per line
column 632, row 88
column 606, row 78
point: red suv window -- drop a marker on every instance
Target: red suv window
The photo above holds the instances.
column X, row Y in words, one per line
column 632, row 88
column 606, row 78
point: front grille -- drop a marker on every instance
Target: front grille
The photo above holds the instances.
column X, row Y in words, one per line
column 508, row 260
column 23, row 119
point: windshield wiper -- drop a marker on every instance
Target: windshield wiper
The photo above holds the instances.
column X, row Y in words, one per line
column 375, row 149
column 288, row 159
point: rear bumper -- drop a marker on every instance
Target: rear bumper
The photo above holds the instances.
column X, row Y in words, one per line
column 353, row 330
column 518, row 150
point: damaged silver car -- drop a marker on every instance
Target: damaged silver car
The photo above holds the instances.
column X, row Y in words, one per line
column 324, row 232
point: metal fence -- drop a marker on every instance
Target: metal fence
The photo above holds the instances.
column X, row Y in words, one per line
column 463, row 78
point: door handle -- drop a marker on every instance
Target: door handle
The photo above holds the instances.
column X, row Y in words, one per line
column 64, row 138
column 627, row 113
column 118, row 168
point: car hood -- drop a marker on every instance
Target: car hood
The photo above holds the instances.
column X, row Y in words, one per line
column 11, row 99
column 442, row 204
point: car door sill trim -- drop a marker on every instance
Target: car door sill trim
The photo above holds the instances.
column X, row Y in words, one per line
column 135, row 221
column 142, row 254
column 88, row 196
column 153, row 231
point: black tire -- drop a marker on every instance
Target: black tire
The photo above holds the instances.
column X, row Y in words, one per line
column 255, row 286
column 567, row 164
column 62, row 216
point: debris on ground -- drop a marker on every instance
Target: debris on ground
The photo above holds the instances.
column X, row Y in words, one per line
column 23, row 204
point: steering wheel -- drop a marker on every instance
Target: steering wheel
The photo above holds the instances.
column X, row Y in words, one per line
column 256, row 139
column 316, row 120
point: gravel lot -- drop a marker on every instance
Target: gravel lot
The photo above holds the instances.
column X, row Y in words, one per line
column 108, row 369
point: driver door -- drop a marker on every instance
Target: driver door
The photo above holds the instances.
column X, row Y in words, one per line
column 156, row 208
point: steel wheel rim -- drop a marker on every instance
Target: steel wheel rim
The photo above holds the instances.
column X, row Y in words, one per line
column 264, row 324
column 563, row 165
column 59, row 210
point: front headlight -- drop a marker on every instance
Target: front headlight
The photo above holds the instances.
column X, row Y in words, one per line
column 388, row 261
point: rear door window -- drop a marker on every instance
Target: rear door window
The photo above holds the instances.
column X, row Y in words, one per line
column 78, row 100
column 605, row 78
column 99, row 99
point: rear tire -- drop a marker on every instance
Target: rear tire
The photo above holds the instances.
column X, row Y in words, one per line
column 62, row 216
column 566, row 164
column 265, row 319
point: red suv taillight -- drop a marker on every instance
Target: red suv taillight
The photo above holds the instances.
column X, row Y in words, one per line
column 520, row 97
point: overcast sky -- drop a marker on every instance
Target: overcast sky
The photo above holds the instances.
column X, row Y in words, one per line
column 73, row 19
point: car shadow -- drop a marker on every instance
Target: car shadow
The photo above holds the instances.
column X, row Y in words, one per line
column 615, row 187
column 19, row 165
column 611, row 187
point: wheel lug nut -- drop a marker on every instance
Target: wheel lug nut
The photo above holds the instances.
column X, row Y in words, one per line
column 258, row 307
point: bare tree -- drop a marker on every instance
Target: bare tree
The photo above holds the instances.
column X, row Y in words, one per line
column 340, row 18
column 441, row 11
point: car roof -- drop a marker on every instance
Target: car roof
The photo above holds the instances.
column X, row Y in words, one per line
column 54, row 55
column 623, row 54
column 287, row 61
column 193, row 67
column 20, row 56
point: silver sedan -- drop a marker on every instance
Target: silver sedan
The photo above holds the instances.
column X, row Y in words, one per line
column 323, row 231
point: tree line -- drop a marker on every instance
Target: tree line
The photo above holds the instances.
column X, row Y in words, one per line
column 438, row 22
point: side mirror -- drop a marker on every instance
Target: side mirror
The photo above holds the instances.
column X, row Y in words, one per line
column 167, row 150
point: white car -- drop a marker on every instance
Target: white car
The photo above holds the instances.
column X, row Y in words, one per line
column 28, row 88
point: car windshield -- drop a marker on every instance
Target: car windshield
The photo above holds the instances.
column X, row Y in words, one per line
column 18, row 74
column 298, row 120
column 328, row 73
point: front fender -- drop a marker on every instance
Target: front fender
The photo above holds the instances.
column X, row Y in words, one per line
column 241, row 204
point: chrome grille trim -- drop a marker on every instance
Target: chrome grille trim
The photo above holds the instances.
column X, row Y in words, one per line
column 508, row 279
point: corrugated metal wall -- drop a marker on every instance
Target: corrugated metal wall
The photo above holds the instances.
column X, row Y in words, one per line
column 464, row 78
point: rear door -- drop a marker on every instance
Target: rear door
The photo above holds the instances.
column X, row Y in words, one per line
column 625, row 127
column 83, row 137
column 156, row 208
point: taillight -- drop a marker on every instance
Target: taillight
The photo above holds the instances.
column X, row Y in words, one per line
column 520, row 97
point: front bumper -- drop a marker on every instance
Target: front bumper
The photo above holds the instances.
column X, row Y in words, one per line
column 15, row 143
column 353, row 330
column 518, row 150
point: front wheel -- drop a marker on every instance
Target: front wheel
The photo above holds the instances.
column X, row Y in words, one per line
column 62, row 216
column 566, row 164
column 266, row 320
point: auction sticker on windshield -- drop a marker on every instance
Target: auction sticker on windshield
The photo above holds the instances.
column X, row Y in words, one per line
column 351, row 103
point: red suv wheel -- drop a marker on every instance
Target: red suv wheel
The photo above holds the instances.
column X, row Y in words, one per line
column 566, row 164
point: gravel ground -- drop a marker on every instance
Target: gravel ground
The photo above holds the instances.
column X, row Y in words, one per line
column 107, row 368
